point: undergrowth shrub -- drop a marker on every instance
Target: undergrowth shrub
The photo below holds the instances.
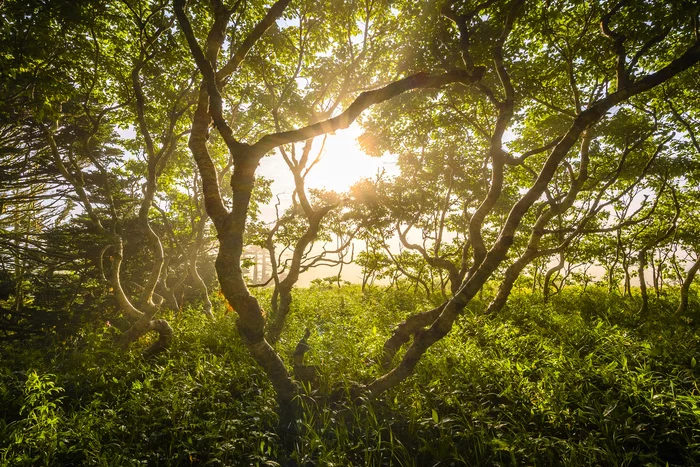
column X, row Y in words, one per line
column 581, row 380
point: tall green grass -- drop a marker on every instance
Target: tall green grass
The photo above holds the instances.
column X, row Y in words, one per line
column 581, row 380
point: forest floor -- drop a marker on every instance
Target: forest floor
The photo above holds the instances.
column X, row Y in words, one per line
column 581, row 380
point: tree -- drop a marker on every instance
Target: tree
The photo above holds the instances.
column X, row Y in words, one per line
column 103, row 82
column 230, row 225
column 581, row 104
column 683, row 108
column 593, row 59
column 296, row 231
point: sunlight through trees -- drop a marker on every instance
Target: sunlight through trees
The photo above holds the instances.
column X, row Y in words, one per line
column 194, row 161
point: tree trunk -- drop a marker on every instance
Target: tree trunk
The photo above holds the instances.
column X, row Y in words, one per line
column 654, row 275
column 425, row 338
column 285, row 303
column 167, row 291
column 628, row 278
column 506, row 287
column 534, row 278
column 142, row 322
column 198, row 281
column 403, row 332
column 145, row 325
column 642, row 259
column 251, row 320
column 685, row 287
column 548, row 277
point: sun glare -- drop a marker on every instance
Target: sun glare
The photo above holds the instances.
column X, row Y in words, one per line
column 342, row 164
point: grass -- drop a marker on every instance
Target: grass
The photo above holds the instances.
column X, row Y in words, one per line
column 581, row 380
